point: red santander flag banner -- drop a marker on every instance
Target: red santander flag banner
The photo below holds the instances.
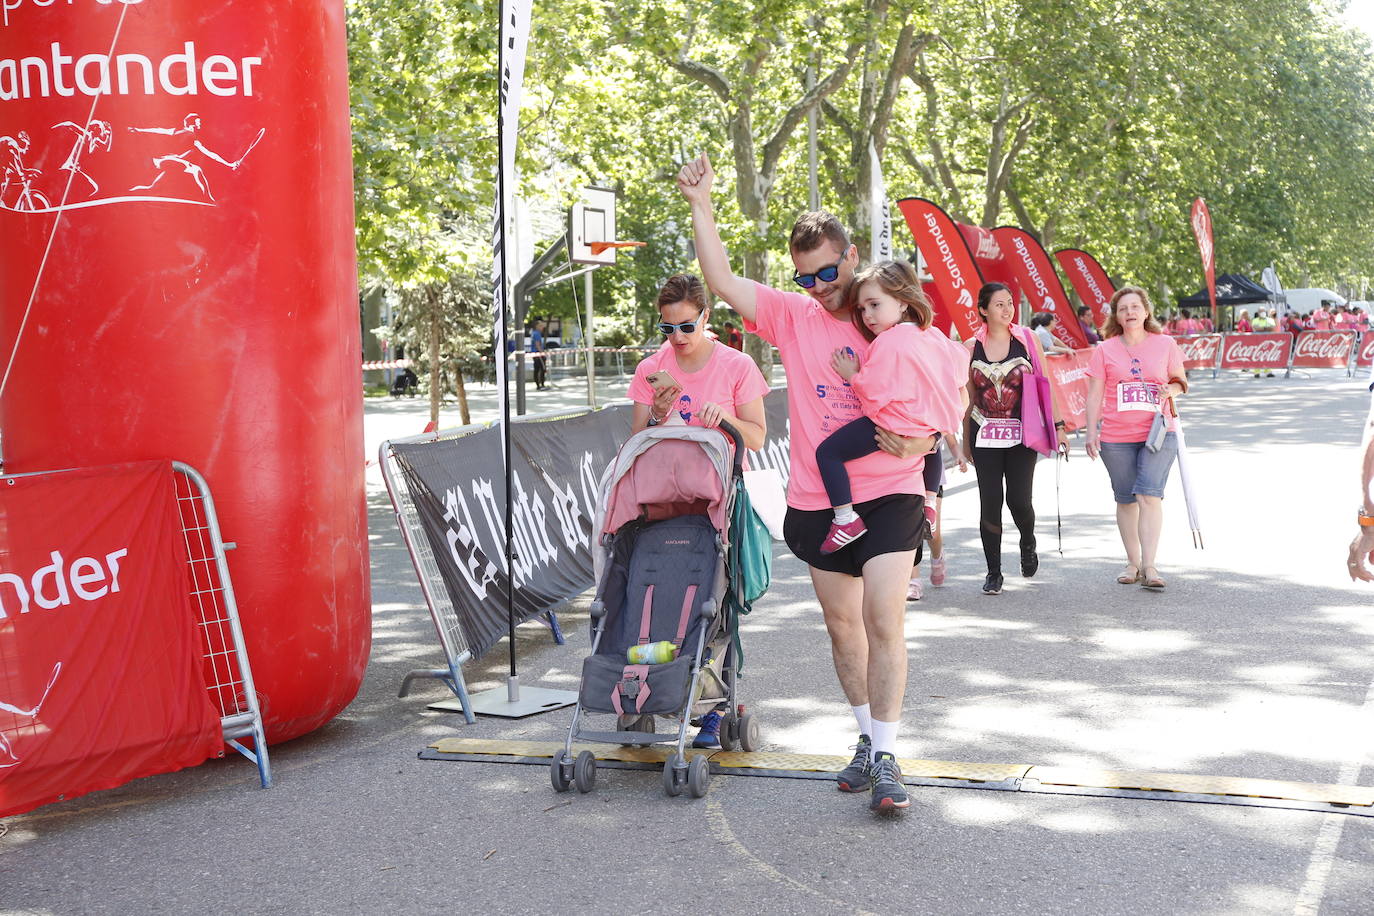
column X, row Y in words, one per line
column 1088, row 279
column 1202, row 229
column 1256, row 351
column 1040, row 283
column 101, row 671
column 1364, row 356
column 1200, row 352
column 949, row 261
column 1323, row 349
column 1069, row 383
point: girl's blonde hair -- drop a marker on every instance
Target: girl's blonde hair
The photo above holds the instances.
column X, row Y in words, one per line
column 1112, row 328
column 897, row 279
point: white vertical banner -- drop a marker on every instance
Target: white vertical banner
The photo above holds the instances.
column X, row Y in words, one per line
column 879, row 218
column 514, row 39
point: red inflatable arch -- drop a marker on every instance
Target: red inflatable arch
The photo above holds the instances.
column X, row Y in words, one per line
column 177, row 225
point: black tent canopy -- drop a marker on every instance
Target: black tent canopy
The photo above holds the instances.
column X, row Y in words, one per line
column 1232, row 289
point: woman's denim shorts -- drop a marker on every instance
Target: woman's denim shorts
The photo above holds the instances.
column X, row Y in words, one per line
column 1134, row 469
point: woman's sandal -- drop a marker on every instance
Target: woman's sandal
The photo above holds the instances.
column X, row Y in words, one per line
column 1131, row 576
column 1152, row 582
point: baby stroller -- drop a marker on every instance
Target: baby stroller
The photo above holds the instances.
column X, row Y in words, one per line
column 405, row 383
column 663, row 575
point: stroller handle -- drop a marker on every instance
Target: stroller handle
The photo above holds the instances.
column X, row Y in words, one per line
column 734, row 434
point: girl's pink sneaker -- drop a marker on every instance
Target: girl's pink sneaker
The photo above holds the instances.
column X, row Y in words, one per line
column 937, row 571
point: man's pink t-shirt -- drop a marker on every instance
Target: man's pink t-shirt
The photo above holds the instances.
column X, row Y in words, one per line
column 1158, row 361
column 820, row 402
column 729, row 378
column 1321, row 320
column 911, row 380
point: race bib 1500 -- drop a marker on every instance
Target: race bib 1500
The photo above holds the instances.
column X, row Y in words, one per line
column 1137, row 396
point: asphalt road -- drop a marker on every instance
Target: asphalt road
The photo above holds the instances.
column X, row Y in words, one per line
column 1255, row 661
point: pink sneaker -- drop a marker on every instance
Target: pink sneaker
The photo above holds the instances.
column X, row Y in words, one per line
column 843, row 535
column 937, row 571
column 913, row 590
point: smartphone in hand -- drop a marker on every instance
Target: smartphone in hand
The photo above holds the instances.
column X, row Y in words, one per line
column 660, row 380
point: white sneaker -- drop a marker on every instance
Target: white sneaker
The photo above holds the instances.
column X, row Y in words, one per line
column 913, row 590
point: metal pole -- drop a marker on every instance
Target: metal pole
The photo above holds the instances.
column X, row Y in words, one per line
column 590, row 342
column 513, row 684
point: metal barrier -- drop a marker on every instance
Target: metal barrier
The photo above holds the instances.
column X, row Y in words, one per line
column 228, row 675
column 441, row 610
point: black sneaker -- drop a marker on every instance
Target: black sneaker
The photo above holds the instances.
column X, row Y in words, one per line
column 857, row 777
column 1030, row 561
column 889, row 794
column 992, row 585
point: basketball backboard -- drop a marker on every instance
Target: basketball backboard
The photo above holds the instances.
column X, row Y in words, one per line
column 592, row 219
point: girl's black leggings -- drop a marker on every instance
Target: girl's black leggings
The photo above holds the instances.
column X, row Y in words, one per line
column 1016, row 466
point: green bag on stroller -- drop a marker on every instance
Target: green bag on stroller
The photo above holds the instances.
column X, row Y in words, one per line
column 749, row 562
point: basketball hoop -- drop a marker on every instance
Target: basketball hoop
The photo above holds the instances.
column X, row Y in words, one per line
column 599, row 247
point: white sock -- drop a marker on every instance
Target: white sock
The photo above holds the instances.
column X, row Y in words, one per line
column 885, row 737
column 865, row 719
column 845, row 516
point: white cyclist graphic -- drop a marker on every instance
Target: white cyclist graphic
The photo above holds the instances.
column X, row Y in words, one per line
column 14, row 173
column 94, row 136
column 7, row 756
column 185, row 160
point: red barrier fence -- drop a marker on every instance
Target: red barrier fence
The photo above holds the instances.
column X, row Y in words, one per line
column 1256, row 351
column 1364, row 356
column 1279, row 351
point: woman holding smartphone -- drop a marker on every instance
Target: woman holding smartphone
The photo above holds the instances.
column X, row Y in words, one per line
column 693, row 379
column 697, row 381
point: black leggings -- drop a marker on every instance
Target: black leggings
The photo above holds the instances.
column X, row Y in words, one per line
column 1017, row 466
column 541, row 371
column 855, row 440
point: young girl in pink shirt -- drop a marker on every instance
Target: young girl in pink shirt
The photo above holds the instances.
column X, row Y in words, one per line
column 911, row 382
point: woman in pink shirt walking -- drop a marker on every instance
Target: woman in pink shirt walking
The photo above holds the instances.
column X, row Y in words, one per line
column 1133, row 377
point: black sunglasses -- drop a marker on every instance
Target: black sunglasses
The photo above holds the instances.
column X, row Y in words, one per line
column 687, row 327
column 825, row 275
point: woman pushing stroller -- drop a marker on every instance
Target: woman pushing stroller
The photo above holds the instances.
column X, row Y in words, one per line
column 698, row 381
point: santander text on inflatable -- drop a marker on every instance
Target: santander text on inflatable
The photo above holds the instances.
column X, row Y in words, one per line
column 176, row 202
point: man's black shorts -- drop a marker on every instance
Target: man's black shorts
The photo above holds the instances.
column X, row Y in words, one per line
column 894, row 525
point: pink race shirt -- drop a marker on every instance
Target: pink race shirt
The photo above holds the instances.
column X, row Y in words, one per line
column 1133, row 377
column 820, row 402
column 911, row 380
column 729, row 378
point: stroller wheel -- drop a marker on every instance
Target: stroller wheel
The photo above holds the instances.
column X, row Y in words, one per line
column 698, row 776
column 749, row 732
column 584, row 771
column 729, row 732
column 672, row 774
column 558, row 771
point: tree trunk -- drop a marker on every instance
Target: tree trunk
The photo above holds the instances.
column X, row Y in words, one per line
column 463, row 414
column 435, row 381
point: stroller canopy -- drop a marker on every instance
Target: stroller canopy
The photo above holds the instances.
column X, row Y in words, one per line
column 667, row 471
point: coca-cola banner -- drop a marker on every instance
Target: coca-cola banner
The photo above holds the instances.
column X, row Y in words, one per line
column 1323, row 349
column 1200, row 352
column 1088, row 279
column 1364, row 356
column 949, row 261
column 1040, row 283
column 1256, row 351
column 1069, row 383
column 1202, row 229
column 101, row 671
